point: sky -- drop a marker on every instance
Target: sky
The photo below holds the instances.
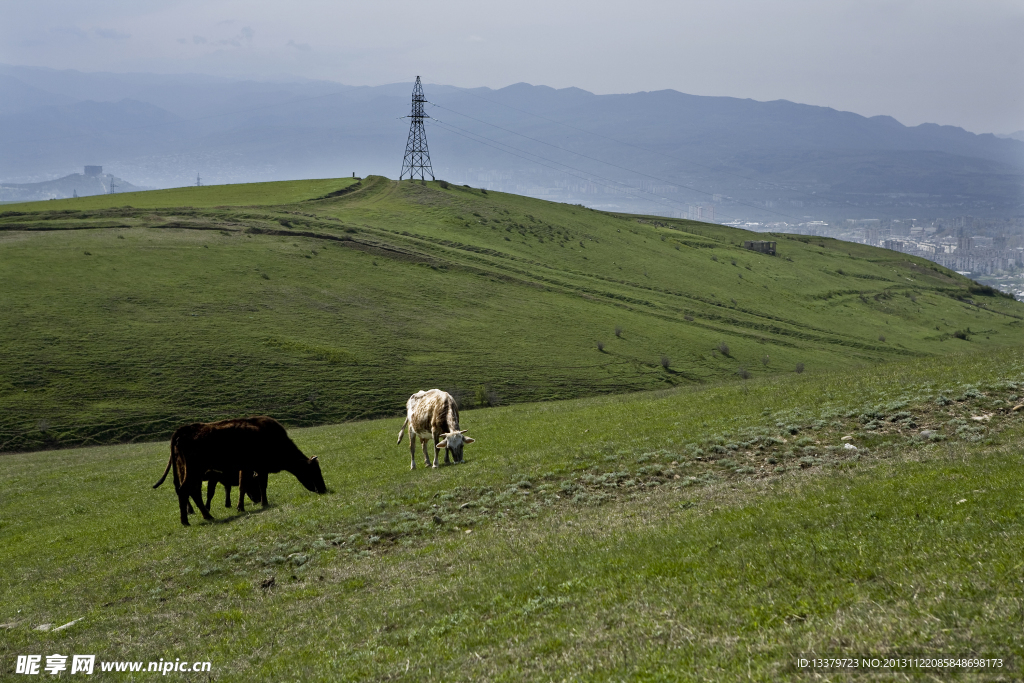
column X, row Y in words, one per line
column 939, row 61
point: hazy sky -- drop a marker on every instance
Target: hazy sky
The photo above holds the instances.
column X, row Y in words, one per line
column 957, row 62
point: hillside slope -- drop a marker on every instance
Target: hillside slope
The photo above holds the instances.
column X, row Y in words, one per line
column 120, row 323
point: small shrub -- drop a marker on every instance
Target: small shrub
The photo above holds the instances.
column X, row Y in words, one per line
column 618, row 331
column 723, row 349
column 734, row 262
column 688, row 318
column 743, row 372
column 963, row 334
column 665, row 362
column 443, row 183
column 765, row 360
column 881, row 337
column 799, row 368
column 714, row 258
column 982, row 290
column 600, row 346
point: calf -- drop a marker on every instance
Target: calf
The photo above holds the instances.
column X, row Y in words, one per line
column 248, row 448
column 229, row 480
column 435, row 415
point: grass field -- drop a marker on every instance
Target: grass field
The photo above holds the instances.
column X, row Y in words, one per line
column 124, row 316
column 709, row 533
column 242, row 194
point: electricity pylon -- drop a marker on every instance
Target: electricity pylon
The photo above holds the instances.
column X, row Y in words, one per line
column 417, row 156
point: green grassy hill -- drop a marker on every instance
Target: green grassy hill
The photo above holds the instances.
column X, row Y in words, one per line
column 699, row 533
column 318, row 301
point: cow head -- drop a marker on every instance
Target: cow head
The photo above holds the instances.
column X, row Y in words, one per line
column 454, row 441
column 311, row 477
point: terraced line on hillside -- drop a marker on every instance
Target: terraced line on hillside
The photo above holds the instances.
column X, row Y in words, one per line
column 633, row 285
column 617, row 299
column 529, row 278
column 737, row 326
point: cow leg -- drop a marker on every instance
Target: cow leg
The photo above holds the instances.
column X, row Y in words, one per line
column 243, row 487
column 446, row 450
column 183, row 506
column 426, row 457
column 261, row 488
column 227, row 496
column 425, row 452
column 211, row 487
column 195, row 492
column 177, row 491
column 412, row 446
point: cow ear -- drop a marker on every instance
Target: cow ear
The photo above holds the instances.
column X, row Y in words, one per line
column 314, row 458
column 468, row 440
column 441, row 444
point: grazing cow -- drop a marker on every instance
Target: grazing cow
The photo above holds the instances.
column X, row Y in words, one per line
column 434, row 415
column 248, row 448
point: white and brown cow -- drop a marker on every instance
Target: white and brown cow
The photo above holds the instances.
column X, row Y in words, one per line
column 434, row 415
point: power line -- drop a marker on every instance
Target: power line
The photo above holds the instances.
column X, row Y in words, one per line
column 453, row 129
column 466, row 134
column 608, row 163
column 643, row 149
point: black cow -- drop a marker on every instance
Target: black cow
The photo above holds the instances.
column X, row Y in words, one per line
column 249, row 448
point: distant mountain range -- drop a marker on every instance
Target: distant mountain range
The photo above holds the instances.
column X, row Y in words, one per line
column 73, row 185
column 651, row 151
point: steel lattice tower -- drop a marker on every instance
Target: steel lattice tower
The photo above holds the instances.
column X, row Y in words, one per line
column 417, row 156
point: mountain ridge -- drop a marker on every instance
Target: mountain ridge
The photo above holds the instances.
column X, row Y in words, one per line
column 733, row 148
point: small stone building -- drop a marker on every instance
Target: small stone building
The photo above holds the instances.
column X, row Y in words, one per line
column 758, row 245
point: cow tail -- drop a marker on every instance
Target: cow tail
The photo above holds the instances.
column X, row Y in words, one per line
column 170, row 461
column 401, row 432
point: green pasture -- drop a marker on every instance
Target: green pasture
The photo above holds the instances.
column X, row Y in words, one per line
column 709, row 532
column 242, row 194
column 120, row 321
